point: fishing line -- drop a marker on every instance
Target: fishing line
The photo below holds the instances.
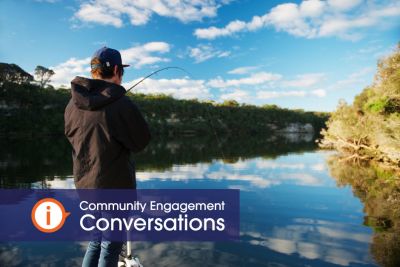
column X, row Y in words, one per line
column 207, row 110
column 155, row 72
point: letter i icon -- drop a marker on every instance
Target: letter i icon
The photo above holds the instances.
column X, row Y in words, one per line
column 48, row 215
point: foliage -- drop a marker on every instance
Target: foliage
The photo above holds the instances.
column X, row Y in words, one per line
column 32, row 160
column 230, row 103
column 379, row 191
column 43, row 75
column 168, row 115
column 13, row 73
column 370, row 127
column 29, row 109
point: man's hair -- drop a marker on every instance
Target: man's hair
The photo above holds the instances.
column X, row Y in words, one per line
column 104, row 72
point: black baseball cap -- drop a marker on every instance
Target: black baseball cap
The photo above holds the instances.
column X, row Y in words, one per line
column 108, row 57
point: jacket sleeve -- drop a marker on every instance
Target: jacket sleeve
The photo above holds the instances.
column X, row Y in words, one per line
column 131, row 129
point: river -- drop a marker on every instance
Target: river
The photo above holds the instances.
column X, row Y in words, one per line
column 299, row 205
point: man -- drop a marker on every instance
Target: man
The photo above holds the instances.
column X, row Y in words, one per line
column 103, row 126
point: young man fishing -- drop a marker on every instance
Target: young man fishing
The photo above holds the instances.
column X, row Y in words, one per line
column 103, row 126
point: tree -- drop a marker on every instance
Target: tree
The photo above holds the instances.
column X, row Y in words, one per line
column 13, row 73
column 43, row 75
column 370, row 127
column 230, row 103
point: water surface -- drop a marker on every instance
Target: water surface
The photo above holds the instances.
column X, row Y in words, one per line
column 293, row 211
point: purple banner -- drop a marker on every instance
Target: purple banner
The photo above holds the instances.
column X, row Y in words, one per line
column 119, row 215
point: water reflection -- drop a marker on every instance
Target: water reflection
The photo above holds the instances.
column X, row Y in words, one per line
column 379, row 191
column 23, row 162
column 292, row 211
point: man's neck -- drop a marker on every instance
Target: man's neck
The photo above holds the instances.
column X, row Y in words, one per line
column 112, row 80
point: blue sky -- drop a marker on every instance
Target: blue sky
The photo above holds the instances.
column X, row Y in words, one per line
column 296, row 54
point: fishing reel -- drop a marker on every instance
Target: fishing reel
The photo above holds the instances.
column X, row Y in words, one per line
column 126, row 259
column 130, row 262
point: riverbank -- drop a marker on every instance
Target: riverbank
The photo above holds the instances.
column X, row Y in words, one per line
column 369, row 128
column 27, row 110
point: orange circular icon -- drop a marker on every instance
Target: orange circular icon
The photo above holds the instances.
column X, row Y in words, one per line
column 48, row 215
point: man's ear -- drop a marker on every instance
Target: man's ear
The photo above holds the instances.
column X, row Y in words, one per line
column 115, row 70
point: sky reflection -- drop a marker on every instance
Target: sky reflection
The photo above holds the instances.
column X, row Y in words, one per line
column 292, row 214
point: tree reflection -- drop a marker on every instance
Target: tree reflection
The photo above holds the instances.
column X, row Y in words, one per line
column 379, row 191
column 25, row 161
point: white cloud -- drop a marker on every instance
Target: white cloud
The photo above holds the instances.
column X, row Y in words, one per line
column 267, row 79
column 313, row 19
column 290, row 240
column 312, row 8
column 253, row 79
column 318, row 92
column 318, row 167
column 202, row 171
column 243, row 70
column 302, row 179
column 292, row 93
column 141, row 55
column 354, row 78
column 256, row 86
column 66, row 71
column 137, row 56
column 99, row 14
column 344, row 4
column 112, row 12
column 276, row 164
column 248, row 89
column 245, row 96
column 241, row 90
column 214, row 32
column 277, row 94
column 204, row 52
column 178, row 88
column 341, row 27
column 260, row 181
column 238, row 95
column 304, row 80
column 288, row 18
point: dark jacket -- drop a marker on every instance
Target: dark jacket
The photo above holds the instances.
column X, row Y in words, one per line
column 103, row 126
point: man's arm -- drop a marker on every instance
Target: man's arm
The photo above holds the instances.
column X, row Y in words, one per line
column 131, row 129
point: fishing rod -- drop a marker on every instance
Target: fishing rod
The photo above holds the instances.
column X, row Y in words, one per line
column 155, row 72
column 129, row 260
column 207, row 111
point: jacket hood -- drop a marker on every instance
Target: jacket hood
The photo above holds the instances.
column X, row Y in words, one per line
column 93, row 94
